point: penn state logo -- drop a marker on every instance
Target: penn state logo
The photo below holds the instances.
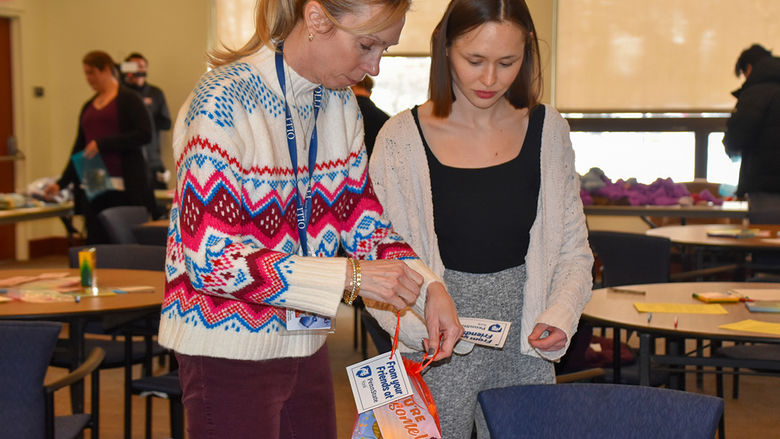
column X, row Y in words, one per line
column 495, row 327
column 364, row 372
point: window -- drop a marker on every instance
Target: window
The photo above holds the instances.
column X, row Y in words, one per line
column 645, row 156
column 402, row 83
column 721, row 168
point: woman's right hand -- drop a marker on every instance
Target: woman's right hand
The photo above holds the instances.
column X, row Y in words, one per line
column 51, row 190
column 388, row 281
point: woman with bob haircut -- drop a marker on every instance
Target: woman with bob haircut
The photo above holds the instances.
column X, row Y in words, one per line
column 271, row 180
column 480, row 180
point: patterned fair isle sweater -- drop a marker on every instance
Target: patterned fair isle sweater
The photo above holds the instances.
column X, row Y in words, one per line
column 232, row 266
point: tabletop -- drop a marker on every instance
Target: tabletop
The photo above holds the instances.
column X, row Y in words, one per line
column 11, row 216
column 108, row 278
column 698, row 235
column 617, row 309
column 157, row 223
column 729, row 209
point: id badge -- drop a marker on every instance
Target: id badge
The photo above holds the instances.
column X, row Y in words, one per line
column 378, row 381
column 304, row 321
column 485, row 332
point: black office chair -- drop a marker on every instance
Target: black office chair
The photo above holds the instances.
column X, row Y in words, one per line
column 119, row 221
column 164, row 386
column 602, row 411
column 123, row 256
column 631, row 258
column 150, row 234
column 26, row 404
column 765, row 264
column 626, row 258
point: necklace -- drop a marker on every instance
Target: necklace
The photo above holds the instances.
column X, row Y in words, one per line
column 296, row 113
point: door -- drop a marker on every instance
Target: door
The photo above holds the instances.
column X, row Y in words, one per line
column 7, row 232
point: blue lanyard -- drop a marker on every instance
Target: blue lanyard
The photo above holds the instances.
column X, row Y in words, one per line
column 302, row 204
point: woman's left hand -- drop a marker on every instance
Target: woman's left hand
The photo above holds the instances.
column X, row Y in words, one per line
column 441, row 318
column 554, row 341
column 91, row 150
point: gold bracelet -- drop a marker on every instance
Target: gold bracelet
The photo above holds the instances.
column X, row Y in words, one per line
column 349, row 296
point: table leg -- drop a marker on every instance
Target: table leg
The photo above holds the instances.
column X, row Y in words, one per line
column 616, row 374
column 644, row 359
column 674, row 348
column 76, row 336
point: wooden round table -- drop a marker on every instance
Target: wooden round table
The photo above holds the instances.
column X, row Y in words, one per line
column 617, row 310
column 697, row 235
column 77, row 314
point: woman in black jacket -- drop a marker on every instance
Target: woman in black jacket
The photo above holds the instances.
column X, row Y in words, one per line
column 115, row 124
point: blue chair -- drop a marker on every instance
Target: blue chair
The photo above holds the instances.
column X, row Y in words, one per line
column 626, row 258
column 119, row 221
column 26, row 404
column 602, row 411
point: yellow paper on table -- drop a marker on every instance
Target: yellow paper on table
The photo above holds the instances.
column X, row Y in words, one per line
column 681, row 308
column 754, row 326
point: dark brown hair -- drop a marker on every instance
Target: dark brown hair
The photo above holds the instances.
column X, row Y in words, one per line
column 749, row 57
column 100, row 60
column 463, row 16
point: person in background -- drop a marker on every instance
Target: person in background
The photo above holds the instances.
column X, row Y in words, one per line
column 115, row 124
column 154, row 98
column 480, row 180
column 753, row 130
column 271, row 180
column 373, row 117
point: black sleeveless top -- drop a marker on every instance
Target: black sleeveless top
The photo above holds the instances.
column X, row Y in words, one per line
column 483, row 216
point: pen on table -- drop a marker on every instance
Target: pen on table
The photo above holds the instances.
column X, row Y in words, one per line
column 626, row 290
column 649, row 317
column 675, row 322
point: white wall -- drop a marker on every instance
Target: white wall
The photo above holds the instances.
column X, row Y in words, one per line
column 51, row 37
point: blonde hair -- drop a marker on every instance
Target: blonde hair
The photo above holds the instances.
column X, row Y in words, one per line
column 275, row 19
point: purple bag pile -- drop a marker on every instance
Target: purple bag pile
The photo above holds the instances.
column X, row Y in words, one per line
column 597, row 188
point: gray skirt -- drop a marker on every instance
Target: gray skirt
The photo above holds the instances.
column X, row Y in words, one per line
column 455, row 382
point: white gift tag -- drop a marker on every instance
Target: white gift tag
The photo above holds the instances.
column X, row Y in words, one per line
column 485, row 332
column 378, row 381
column 304, row 321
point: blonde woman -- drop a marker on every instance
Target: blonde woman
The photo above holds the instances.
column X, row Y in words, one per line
column 272, row 180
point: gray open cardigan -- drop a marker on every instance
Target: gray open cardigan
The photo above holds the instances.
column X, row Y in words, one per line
column 559, row 260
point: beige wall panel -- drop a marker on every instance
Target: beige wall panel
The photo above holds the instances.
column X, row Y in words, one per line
column 661, row 54
column 51, row 37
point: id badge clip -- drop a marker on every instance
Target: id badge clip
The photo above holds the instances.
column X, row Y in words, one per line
column 300, row 321
column 492, row 333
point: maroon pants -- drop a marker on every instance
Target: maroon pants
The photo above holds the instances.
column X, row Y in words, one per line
column 282, row 398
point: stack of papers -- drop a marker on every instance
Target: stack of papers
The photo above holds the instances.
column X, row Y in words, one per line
column 738, row 233
column 718, row 297
column 763, row 306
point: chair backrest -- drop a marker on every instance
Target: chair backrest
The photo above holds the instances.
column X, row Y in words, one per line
column 764, row 217
column 128, row 256
column 119, row 221
column 599, row 411
column 150, row 235
column 631, row 258
column 25, row 351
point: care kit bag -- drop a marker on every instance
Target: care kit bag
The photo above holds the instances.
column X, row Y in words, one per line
column 411, row 417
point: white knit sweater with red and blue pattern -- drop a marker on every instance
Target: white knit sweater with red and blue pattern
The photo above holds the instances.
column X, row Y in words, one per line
column 232, row 266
